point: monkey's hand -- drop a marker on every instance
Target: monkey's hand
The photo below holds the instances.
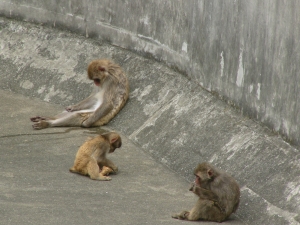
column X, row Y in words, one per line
column 87, row 123
column 182, row 216
column 204, row 193
column 106, row 171
column 193, row 187
column 72, row 108
column 115, row 169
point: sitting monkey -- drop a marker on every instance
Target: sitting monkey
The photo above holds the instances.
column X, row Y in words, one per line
column 100, row 107
column 91, row 158
column 219, row 195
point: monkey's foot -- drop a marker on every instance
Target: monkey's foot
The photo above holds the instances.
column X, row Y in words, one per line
column 106, row 171
column 175, row 216
column 105, row 178
column 40, row 125
column 115, row 170
column 37, row 118
column 182, row 216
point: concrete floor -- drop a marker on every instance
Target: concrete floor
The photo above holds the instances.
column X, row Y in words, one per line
column 37, row 188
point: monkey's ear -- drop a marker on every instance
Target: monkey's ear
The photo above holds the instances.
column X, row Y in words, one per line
column 210, row 173
column 114, row 139
column 101, row 68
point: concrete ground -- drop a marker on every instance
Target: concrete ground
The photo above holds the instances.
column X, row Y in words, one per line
column 169, row 125
column 37, row 188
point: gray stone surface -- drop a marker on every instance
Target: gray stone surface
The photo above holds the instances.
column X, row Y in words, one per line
column 244, row 51
column 37, row 188
column 170, row 117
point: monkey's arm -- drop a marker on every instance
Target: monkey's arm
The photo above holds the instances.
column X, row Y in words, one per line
column 204, row 193
column 103, row 110
column 84, row 104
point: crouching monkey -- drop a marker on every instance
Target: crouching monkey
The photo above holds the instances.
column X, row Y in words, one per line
column 100, row 107
column 91, row 156
column 219, row 195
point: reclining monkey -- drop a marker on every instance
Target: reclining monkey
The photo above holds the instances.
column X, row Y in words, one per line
column 100, row 107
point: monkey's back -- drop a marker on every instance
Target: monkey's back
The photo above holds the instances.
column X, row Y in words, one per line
column 119, row 99
column 228, row 192
column 89, row 149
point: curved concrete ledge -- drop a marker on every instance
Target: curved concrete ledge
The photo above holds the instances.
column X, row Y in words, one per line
column 170, row 117
column 237, row 49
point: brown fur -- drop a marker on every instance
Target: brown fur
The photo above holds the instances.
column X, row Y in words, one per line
column 219, row 195
column 91, row 156
column 100, row 107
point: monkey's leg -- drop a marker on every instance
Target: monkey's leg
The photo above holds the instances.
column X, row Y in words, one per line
column 100, row 112
column 196, row 211
column 64, row 119
column 82, row 172
column 80, row 166
column 93, row 171
column 206, row 210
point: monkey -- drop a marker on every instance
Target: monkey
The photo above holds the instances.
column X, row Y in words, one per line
column 91, row 156
column 100, row 107
column 218, row 192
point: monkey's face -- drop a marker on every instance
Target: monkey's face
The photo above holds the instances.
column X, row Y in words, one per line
column 198, row 180
column 97, row 71
column 203, row 173
column 114, row 145
column 98, row 78
column 203, row 177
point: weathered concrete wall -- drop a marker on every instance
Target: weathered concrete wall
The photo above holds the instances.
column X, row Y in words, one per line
column 244, row 51
column 170, row 117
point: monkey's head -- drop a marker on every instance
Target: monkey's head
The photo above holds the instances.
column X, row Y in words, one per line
column 98, row 71
column 114, row 140
column 204, row 173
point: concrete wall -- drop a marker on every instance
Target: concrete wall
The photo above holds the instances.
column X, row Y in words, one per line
column 244, row 51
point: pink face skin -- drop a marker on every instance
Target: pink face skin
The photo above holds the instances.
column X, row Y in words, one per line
column 197, row 181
